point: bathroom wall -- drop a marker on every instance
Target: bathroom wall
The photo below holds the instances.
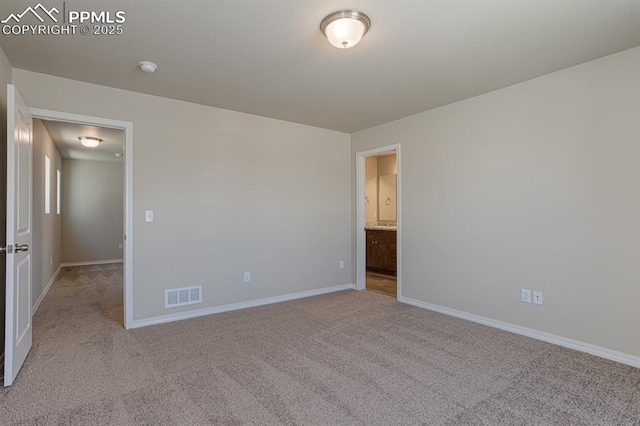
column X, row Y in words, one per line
column 387, row 187
column 387, row 165
column 387, row 198
column 371, row 188
column 374, row 167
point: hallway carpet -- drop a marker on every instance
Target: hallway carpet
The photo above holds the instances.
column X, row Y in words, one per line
column 347, row 358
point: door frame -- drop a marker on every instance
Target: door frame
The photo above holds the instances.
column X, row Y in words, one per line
column 361, row 267
column 127, row 126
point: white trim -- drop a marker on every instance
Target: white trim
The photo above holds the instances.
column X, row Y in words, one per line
column 58, row 186
column 361, row 266
column 128, row 190
column 235, row 306
column 45, row 291
column 91, row 262
column 599, row 351
column 47, row 114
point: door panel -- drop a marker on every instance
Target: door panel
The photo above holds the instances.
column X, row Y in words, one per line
column 23, row 316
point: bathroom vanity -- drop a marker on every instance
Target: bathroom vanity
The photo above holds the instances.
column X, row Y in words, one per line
column 381, row 249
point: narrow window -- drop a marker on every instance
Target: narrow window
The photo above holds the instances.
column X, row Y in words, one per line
column 57, row 191
column 47, row 185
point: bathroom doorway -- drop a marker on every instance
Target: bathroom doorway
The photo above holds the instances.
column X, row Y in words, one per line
column 378, row 236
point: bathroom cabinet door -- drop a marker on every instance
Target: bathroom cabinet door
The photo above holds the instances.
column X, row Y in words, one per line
column 372, row 252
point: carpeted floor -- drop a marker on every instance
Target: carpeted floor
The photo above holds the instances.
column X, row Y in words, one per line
column 347, row 358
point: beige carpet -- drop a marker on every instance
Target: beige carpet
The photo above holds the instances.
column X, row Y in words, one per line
column 348, row 358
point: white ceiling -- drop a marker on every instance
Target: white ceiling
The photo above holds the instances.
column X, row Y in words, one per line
column 270, row 58
column 65, row 137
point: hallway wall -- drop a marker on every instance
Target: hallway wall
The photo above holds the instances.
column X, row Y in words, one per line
column 92, row 210
column 46, row 227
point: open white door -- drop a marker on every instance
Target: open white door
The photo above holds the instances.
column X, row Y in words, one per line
column 18, row 249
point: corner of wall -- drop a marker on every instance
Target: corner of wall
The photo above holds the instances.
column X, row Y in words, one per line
column 6, row 77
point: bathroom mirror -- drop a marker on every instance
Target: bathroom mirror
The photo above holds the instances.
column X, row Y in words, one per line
column 387, row 198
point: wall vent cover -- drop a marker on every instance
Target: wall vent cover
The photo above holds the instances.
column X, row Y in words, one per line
column 182, row 296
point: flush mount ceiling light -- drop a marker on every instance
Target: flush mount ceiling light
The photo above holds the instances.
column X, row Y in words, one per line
column 345, row 28
column 89, row 141
column 148, row 67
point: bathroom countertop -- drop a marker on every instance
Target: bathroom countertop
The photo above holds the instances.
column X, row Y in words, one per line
column 379, row 227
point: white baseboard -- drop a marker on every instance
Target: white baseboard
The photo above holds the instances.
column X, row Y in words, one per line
column 91, row 262
column 235, row 306
column 609, row 354
column 45, row 291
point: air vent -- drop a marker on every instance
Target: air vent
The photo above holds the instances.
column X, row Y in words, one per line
column 182, row 296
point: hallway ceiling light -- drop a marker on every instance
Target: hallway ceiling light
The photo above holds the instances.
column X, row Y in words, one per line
column 345, row 28
column 89, row 141
column 148, row 67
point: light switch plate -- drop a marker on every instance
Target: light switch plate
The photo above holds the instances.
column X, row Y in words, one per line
column 526, row 295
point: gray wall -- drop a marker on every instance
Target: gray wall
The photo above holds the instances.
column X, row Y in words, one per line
column 532, row 186
column 5, row 78
column 92, row 210
column 46, row 227
column 231, row 192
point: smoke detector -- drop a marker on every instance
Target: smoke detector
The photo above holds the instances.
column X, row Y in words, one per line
column 148, row 67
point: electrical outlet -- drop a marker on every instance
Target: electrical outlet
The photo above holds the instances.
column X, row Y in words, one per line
column 537, row 297
column 342, row 264
column 526, row 295
column 148, row 216
column 120, row 246
column 247, row 277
